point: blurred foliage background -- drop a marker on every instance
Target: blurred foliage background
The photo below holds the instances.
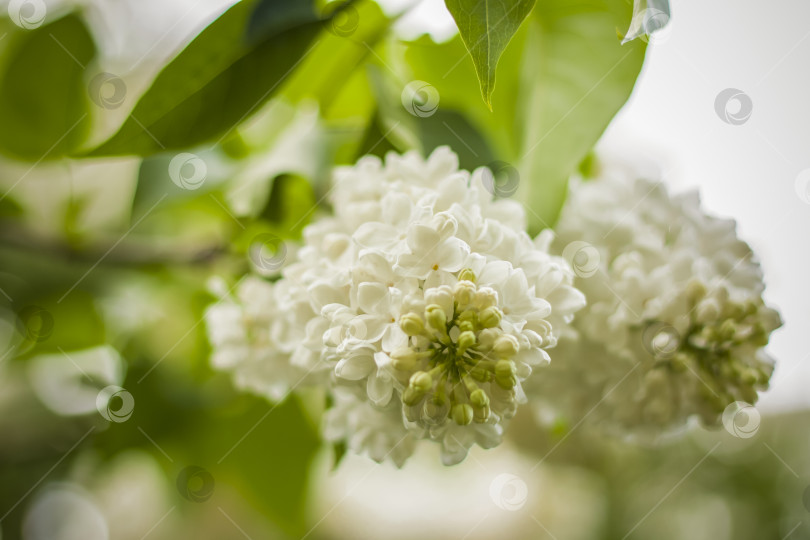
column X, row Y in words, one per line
column 127, row 182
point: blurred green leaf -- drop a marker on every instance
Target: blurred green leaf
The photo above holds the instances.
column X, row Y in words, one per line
column 262, row 450
column 9, row 208
column 339, row 450
column 60, row 322
column 155, row 184
column 272, row 463
column 350, row 37
column 43, row 98
column 212, row 85
column 291, row 204
column 581, row 78
column 487, row 26
column 274, row 16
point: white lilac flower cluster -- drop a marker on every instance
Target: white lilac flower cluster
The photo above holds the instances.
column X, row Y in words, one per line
column 675, row 324
column 421, row 304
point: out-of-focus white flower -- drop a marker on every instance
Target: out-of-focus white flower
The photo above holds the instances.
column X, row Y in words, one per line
column 675, row 324
column 378, row 432
column 252, row 337
column 425, row 298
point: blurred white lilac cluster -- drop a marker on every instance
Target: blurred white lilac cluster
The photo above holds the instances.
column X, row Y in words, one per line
column 675, row 324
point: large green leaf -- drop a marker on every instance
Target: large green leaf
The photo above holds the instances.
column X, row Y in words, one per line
column 43, row 99
column 274, row 16
column 487, row 26
column 581, row 77
column 212, row 85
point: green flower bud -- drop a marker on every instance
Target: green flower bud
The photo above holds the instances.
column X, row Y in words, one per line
column 695, row 290
column 468, row 315
column 411, row 396
column 505, row 368
column 465, row 292
column 505, row 374
column 436, row 317
column 487, row 337
column 466, row 340
column 411, row 324
column 480, row 374
column 486, row 297
column 481, row 414
column 462, row 413
column 466, row 275
column 490, row 317
column 479, row 398
column 749, row 377
column 421, row 381
column 404, row 359
column 727, row 330
column 506, row 346
column 466, row 326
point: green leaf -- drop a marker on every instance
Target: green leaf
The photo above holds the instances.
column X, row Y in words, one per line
column 274, row 16
column 581, row 78
column 351, row 35
column 487, row 26
column 212, row 85
column 291, row 204
column 43, row 98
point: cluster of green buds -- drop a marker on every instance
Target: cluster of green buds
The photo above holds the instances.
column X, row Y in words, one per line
column 722, row 347
column 459, row 365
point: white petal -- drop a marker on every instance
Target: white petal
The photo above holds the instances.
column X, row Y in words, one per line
column 394, row 338
column 379, row 389
column 373, row 297
column 355, row 367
